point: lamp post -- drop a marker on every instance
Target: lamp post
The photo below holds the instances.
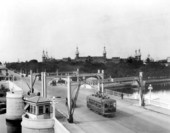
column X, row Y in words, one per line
column 53, row 104
column 150, row 89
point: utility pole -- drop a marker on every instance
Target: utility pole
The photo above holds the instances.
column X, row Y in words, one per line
column 102, row 81
column 43, row 84
column 31, row 81
column 141, row 88
column 70, row 119
column 77, row 74
column 98, row 84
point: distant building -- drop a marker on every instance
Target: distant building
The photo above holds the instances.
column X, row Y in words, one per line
column 138, row 55
column 94, row 59
column 66, row 59
column 168, row 59
column 45, row 57
column 115, row 60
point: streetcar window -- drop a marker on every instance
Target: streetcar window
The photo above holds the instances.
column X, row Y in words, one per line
column 41, row 109
column 111, row 105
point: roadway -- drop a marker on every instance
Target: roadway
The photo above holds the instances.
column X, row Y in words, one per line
column 129, row 118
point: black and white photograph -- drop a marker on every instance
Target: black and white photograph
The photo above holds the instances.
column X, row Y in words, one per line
column 84, row 66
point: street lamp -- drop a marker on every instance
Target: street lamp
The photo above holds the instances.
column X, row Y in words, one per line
column 53, row 104
column 150, row 89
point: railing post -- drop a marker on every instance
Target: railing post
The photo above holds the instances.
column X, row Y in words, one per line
column 150, row 89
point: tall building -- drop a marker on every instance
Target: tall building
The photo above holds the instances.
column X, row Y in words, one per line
column 45, row 57
column 94, row 59
column 99, row 59
column 104, row 52
column 138, row 55
column 77, row 53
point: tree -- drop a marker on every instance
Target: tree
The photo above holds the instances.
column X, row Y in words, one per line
column 33, row 61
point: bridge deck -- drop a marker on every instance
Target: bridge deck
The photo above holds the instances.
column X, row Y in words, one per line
column 129, row 117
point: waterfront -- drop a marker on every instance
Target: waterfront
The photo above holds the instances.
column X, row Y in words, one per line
column 160, row 92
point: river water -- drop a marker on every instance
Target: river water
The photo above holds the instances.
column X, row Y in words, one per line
column 160, row 91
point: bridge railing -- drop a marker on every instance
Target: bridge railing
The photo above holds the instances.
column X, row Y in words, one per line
column 116, row 93
column 124, row 79
column 154, row 102
column 59, row 128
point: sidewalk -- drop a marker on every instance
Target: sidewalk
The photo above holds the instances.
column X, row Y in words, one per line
column 72, row 127
column 135, row 102
column 158, row 109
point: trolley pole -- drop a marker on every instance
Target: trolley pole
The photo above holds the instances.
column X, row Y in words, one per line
column 70, row 119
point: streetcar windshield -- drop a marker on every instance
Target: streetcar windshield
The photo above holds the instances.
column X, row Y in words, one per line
column 108, row 105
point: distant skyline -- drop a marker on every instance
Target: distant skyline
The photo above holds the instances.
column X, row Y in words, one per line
column 27, row 27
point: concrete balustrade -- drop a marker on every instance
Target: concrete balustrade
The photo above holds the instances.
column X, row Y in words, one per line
column 59, row 128
column 37, row 125
column 116, row 93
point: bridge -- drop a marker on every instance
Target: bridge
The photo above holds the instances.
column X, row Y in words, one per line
column 129, row 118
column 147, row 80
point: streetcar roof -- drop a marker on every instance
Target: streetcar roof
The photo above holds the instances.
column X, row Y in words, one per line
column 101, row 99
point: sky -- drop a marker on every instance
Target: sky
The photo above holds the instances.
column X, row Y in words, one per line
column 27, row 27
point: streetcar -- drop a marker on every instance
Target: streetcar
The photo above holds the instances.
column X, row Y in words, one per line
column 101, row 104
